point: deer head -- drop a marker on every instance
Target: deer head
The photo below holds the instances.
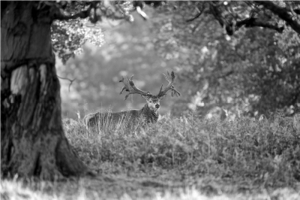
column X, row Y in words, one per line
column 153, row 101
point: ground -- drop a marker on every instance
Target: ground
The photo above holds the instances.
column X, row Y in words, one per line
column 183, row 158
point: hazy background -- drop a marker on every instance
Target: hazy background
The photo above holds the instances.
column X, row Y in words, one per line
column 255, row 71
column 128, row 49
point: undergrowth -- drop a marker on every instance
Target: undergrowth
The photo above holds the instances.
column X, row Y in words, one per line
column 261, row 153
column 179, row 158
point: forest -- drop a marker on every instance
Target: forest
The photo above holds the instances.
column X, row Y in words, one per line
column 225, row 122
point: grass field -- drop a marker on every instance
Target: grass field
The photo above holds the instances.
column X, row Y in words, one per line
column 180, row 158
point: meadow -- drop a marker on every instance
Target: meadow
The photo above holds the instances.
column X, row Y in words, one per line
column 179, row 158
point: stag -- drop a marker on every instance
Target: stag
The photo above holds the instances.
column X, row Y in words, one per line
column 133, row 118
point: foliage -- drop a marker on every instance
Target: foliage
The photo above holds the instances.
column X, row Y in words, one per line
column 184, row 36
column 128, row 50
column 236, row 72
column 69, row 37
column 78, row 22
column 233, row 15
column 237, row 69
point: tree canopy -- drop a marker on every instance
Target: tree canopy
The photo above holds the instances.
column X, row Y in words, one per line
column 70, row 30
column 253, row 67
column 246, row 24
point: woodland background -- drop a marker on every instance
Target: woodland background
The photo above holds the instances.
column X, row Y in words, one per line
column 253, row 72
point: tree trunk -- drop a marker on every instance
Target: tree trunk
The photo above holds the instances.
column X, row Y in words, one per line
column 32, row 139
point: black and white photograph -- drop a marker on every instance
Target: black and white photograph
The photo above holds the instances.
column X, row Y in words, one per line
column 154, row 100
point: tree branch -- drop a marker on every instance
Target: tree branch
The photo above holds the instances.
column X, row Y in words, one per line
column 71, row 81
column 282, row 13
column 252, row 22
column 59, row 14
column 112, row 15
column 197, row 15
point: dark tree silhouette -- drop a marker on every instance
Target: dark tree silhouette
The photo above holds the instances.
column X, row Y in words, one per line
column 33, row 142
column 232, row 15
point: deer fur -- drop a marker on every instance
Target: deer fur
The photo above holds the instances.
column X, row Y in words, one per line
column 128, row 119
column 132, row 119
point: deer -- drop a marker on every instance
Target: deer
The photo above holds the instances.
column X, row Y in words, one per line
column 132, row 119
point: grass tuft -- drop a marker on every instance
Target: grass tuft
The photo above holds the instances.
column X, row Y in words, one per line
column 263, row 153
column 179, row 158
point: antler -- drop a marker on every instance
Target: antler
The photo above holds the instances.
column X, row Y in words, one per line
column 170, row 78
column 131, row 88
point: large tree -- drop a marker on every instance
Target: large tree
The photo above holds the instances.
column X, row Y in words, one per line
column 33, row 142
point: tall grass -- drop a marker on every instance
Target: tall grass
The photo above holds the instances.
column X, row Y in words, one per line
column 179, row 158
column 261, row 153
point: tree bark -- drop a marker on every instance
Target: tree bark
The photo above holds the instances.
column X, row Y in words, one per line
column 33, row 142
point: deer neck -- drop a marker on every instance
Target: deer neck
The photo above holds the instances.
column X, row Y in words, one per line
column 150, row 115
